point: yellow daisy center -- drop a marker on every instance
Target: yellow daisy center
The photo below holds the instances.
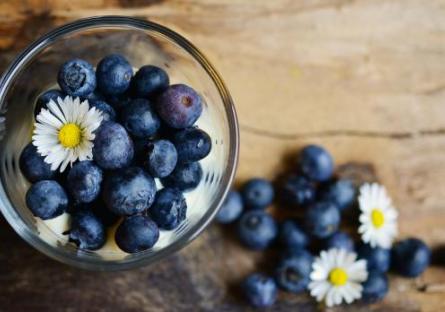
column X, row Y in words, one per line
column 70, row 135
column 338, row 277
column 377, row 218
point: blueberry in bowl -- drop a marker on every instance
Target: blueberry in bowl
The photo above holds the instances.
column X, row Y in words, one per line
column 93, row 161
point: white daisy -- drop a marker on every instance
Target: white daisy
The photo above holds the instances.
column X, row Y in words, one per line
column 64, row 133
column 378, row 218
column 337, row 276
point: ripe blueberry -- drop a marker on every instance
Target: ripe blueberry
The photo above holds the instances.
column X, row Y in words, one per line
column 257, row 229
column 136, row 233
column 316, row 163
column 257, row 193
column 77, row 78
column 47, row 199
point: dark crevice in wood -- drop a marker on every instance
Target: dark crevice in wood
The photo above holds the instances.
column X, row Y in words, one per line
column 343, row 133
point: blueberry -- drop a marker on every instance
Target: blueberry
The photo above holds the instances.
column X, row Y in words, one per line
column 129, row 191
column 231, row 209
column 113, row 148
column 77, row 78
column 410, row 257
column 377, row 259
column 113, row 74
column 298, row 190
column 322, row 219
column 341, row 192
column 179, row 106
column 292, row 272
column 192, row 144
column 169, row 209
column 108, row 112
column 161, row 158
column 292, row 235
column 185, row 177
column 260, row 290
column 375, row 287
column 140, row 119
column 46, row 199
column 339, row 240
column 44, row 99
column 84, row 181
column 87, row 230
column 148, row 81
column 136, row 233
column 33, row 165
column 257, row 193
column 316, row 163
column 257, row 229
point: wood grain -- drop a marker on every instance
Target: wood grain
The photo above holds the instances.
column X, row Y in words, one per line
column 364, row 78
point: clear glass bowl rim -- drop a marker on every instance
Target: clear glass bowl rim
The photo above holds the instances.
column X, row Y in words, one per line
column 128, row 23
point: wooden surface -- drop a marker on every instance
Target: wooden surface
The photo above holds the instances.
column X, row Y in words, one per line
column 365, row 78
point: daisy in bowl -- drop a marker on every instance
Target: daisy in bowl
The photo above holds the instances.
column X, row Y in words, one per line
column 64, row 132
column 337, row 276
column 378, row 218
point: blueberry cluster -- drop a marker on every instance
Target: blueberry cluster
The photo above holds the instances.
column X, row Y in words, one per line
column 315, row 194
column 147, row 133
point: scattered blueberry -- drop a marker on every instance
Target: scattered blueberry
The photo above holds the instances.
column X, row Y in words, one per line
column 140, row 119
column 375, row 287
column 77, row 78
column 87, row 230
column 339, row 240
column 149, row 80
column 322, row 219
column 33, row 165
column 257, row 229
column 292, row 272
column 377, row 259
column 46, row 199
column 316, row 163
column 84, row 181
column 231, row 209
column 108, row 112
column 114, row 74
column 44, row 99
column 192, row 144
column 113, row 148
column 260, row 290
column 169, row 209
column 179, row 106
column 129, row 191
column 161, row 158
column 341, row 192
column 185, row 177
column 410, row 257
column 292, row 235
column 257, row 193
column 298, row 190
column 136, row 233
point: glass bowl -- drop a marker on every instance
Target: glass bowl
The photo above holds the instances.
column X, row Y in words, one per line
column 35, row 70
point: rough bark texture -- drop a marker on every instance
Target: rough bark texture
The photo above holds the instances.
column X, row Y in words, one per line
column 364, row 78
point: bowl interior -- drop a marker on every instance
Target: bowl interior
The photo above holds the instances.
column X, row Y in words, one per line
column 141, row 44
